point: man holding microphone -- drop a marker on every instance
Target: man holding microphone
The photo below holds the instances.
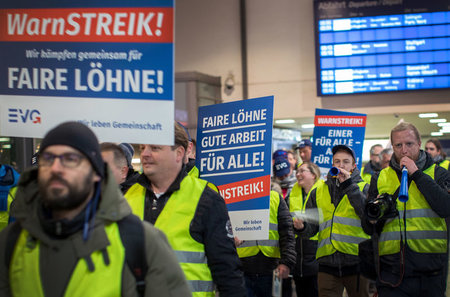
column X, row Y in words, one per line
column 340, row 204
column 412, row 243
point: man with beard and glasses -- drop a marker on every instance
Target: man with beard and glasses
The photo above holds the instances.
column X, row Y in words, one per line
column 74, row 233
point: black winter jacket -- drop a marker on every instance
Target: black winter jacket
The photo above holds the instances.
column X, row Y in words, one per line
column 306, row 264
column 262, row 265
column 131, row 179
column 437, row 194
column 211, row 227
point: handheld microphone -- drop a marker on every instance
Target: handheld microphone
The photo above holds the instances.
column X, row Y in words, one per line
column 403, row 194
column 334, row 171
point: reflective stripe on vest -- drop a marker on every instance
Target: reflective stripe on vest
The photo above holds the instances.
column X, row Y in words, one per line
column 175, row 220
column 4, row 215
column 24, row 271
column 339, row 228
column 270, row 248
column 426, row 232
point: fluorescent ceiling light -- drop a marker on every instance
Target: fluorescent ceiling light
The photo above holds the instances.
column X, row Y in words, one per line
column 428, row 115
column 437, row 133
column 6, row 146
column 438, row 121
column 443, row 124
column 4, row 139
column 308, row 126
column 288, row 121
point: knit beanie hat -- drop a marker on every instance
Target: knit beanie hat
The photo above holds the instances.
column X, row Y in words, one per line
column 128, row 150
column 80, row 137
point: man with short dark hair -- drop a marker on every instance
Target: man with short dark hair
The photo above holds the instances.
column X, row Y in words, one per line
column 189, row 158
column 114, row 156
column 374, row 164
column 340, row 204
column 74, row 233
column 304, row 148
column 118, row 157
column 192, row 215
column 412, row 243
column 132, row 175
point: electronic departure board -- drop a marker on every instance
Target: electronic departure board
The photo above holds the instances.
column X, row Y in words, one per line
column 381, row 45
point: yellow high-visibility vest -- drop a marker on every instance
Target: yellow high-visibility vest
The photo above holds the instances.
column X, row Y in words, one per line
column 270, row 247
column 296, row 203
column 426, row 232
column 175, row 220
column 339, row 227
column 445, row 164
column 366, row 176
column 24, row 271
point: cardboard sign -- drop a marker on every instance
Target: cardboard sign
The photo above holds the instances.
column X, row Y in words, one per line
column 234, row 153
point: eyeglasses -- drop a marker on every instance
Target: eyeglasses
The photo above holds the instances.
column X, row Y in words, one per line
column 69, row 160
column 303, row 170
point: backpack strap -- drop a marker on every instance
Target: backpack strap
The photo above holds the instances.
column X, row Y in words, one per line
column 131, row 232
column 11, row 239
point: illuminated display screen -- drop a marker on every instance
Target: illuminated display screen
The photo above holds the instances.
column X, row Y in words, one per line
column 379, row 52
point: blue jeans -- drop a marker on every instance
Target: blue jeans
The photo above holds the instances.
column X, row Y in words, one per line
column 258, row 285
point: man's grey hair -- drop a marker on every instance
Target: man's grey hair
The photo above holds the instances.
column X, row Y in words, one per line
column 372, row 148
column 386, row 151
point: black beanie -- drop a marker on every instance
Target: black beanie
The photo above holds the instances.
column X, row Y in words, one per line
column 78, row 136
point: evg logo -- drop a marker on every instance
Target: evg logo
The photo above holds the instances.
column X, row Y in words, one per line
column 281, row 166
column 24, row 115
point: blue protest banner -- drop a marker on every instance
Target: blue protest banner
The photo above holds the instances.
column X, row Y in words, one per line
column 332, row 127
column 234, row 152
column 108, row 64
